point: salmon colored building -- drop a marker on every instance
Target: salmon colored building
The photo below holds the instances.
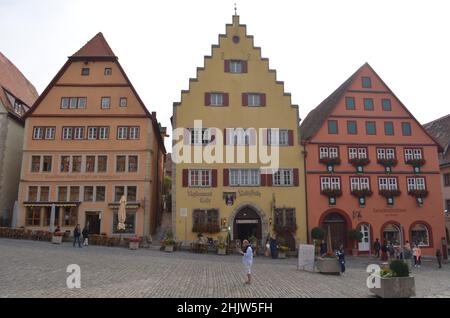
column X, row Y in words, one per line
column 89, row 139
column 371, row 166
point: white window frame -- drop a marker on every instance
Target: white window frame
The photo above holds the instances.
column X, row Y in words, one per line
column 359, row 183
column 235, row 66
column 323, row 152
column 200, row 178
column 38, row 133
column 381, row 153
column 73, row 102
column 123, row 102
column 50, row 133
column 78, row 133
column 416, row 183
column 105, row 102
column 216, row 99
column 198, row 139
column 417, row 154
column 362, row 153
column 333, row 183
column 392, row 183
column 79, row 104
column 254, row 100
column 134, row 133
column 122, row 132
column 383, row 184
column 278, row 137
column 103, row 133
column 65, row 101
column 92, row 133
column 67, row 133
column 352, row 153
column 244, row 177
column 283, row 177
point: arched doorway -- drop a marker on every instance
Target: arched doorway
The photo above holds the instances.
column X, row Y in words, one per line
column 337, row 225
column 246, row 223
column 391, row 234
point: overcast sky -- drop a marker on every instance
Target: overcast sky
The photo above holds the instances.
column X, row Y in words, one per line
column 313, row 45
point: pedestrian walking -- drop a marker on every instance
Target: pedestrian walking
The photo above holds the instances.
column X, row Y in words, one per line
column 76, row 235
column 273, row 246
column 85, row 236
column 247, row 260
column 439, row 257
column 323, row 248
column 377, row 247
column 340, row 253
column 417, row 253
column 391, row 251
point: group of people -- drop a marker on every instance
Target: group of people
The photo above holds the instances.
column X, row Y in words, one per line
column 77, row 233
column 389, row 251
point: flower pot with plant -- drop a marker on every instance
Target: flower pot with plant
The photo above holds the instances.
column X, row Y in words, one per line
column 134, row 242
column 221, row 246
column 57, row 237
column 355, row 236
column 394, row 282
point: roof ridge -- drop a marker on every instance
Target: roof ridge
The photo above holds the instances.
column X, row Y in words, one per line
column 95, row 47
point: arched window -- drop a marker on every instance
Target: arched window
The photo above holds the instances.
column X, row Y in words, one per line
column 391, row 233
column 420, row 235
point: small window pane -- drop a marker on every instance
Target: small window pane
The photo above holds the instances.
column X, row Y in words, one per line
column 74, row 194
column 118, row 193
column 35, row 163
column 131, row 193
column 108, row 71
column 82, row 102
column 106, row 101
column 100, row 193
column 132, row 163
column 90, row 163
column 370, row 128
column 406, row 129
column 368, row 104
column 332, row 127
column 32, row 194
column 123, row 102
column 366, row 82
column 102, row 163
column 44, row 196
column 386, row 104
column 120, row 165
column 85, row 71
column 351, row 128
column 88, row 193
column 65, row 102
column 47, row 164
column 350, row 103
column 389, row 128
column 76, row 164
column 65, row 163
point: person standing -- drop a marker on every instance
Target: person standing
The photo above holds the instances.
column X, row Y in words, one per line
column 384, row 250
column 391, row 250
column 273, row 247
column 340, row 253
column 76, row 235
column 247, row 260
column 439, row 257
column 377, row 247
column 323, row 248
column 85, row 236
column 417, row 256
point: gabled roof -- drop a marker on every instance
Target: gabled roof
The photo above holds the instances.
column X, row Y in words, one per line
column 317, row 117
column 440, row 130
column 96, row 47
column 16, row 84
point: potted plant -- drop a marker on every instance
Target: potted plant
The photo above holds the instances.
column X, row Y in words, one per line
column 169, row 244
column 355, row 236
column 282, row 250
column 394, row 282
column 221, row 246
column 388, row 163
column 57, row 237
column 134, row 242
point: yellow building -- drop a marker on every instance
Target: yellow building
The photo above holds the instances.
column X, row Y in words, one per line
column 233, row 129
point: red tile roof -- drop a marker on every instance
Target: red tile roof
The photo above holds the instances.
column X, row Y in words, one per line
column 12, row 80
column 96, row 47
column 440, row 130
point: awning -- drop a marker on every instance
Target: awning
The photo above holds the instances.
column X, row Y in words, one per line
column 49, row 204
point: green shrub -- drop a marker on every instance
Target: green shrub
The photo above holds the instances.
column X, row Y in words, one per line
column 318, row 233
column 399, row 268
column 355, row 235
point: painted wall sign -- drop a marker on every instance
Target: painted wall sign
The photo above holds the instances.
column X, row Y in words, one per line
column 249, row 193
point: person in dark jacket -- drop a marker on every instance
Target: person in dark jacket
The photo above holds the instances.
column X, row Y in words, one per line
column 439, row 257
column 76, row 235
column 273, row 247
column 85, row 236
column 384, row 250
column 323, row 248
column 377, row 247
column 340, row 253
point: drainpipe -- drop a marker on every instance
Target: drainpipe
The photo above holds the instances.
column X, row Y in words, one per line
column 305, row 153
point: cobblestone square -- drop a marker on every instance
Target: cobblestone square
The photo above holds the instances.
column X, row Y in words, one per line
column 38, row 269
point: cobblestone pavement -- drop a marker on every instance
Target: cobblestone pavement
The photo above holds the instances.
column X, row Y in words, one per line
column 38, row 269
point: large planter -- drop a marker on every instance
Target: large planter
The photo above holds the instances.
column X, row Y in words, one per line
column 222, row 251
column 328, row 266
column 134, row 245
column 395, row 287
column 57, row 239
column 168, row 248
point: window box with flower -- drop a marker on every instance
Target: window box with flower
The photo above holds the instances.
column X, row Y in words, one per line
column 57, row 238
column 359, row 163
column 388, row 164
column 330, row 162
